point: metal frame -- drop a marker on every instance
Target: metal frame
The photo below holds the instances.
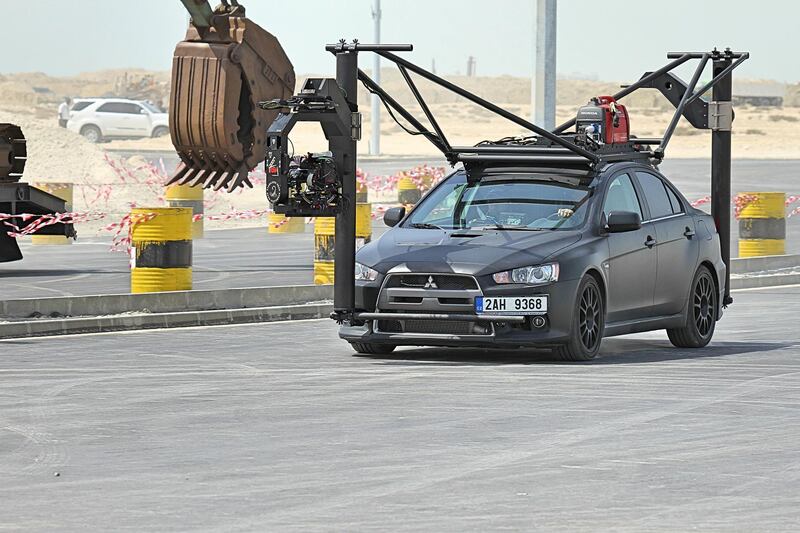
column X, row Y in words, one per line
column 550, row 147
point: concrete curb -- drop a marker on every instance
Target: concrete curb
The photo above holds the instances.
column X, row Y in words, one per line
column 66, row 326
column 165, row 302
column 765, row 281
column 743, row 265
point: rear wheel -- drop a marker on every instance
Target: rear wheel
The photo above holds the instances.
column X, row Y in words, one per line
column 702, row 313
column 370, row 348
column 588, row 321
column 91, row 134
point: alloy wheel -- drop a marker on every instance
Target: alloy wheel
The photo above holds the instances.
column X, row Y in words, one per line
column 589, row 317
column 704, row 305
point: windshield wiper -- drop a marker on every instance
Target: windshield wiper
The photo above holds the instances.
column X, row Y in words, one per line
column 504, row 228
column 424, row 225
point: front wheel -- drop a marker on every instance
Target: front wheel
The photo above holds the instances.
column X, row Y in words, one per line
column 588, row 321
column 369, row 348
column 92, row 134
column 160, row 131
column 701, row 316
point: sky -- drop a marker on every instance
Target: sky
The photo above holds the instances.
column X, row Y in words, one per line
column 609, row 40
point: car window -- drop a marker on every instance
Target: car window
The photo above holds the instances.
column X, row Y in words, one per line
column 621, row 196
column 119, row 107
column 673, row 200
column 108, row 107
column 81, row 105
column 150, row 107
column 656, row 195
column 512, row 201
column 443, row 210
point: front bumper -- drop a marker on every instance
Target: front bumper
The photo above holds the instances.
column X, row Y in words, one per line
column 494, row 331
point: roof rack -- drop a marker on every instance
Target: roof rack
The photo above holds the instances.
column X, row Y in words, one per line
column 557, row 147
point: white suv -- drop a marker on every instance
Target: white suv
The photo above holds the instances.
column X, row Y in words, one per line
column 117, row 118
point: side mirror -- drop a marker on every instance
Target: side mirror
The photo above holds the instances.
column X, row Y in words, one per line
column 393, row 216
column 622, row 221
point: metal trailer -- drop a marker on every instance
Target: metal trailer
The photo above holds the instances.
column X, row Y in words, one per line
column 18, row 198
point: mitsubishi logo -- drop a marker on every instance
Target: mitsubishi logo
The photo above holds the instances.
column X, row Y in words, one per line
column 430, row 284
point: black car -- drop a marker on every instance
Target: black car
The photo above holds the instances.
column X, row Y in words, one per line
column 516, row 257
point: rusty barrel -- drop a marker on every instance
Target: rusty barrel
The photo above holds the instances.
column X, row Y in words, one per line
column 283, row 224
column 407, row 191
column 161, row 249
column 762, row 224
column 324, row 241
column 65, row 192
column 362, row 193
column 186, row 196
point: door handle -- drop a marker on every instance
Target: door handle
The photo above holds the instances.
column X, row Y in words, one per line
column 689, row 233
column 650, row 242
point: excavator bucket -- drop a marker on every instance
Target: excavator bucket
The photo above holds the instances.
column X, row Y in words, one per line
column 223, row 68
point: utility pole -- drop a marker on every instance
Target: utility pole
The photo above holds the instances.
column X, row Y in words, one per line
column 543, row 81
column 375, row 143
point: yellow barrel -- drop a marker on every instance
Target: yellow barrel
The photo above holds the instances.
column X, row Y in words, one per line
column 186, row 196
column 65, row 192
column 407, row 191
column 762, row 224
column 362, row 193
column 161, row 249
column 282, row 224
column 324, row 241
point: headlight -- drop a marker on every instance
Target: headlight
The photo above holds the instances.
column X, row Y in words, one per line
column 365, row 273
column 532, row 275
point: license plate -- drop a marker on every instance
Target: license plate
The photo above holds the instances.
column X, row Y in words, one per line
column 511, row 305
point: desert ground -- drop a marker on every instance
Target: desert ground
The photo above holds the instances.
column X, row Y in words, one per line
column 108, row 183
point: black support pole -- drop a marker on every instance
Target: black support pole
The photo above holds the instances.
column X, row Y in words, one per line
column 721, row 171
column 344, row 287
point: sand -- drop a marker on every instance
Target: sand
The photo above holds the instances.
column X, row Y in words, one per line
column 58, row 155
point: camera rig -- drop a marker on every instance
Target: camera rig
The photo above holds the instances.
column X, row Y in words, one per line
column 324, row 184
column 311, row 184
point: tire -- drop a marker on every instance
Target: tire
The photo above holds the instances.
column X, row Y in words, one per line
column 370, row 348
column 588, row 321
column 701, row 313
column 92, row 134
column 160, row 131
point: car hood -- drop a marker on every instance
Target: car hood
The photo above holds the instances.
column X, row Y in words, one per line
column 465, row 252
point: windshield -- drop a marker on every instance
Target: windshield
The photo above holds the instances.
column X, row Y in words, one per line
column 150, row 107
column 507, row 201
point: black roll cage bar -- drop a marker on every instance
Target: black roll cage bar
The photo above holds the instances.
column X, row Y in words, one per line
column 553, row 149
column 561, row 149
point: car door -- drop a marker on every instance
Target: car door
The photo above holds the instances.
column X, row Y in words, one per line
column 110, row 118
column 136, row 120
column 631, row 266
column 676, row 245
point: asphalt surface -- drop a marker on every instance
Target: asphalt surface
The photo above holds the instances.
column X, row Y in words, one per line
column 250, row 257
column 278, row 427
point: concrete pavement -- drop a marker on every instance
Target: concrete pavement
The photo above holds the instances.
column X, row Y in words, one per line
column 278, row 427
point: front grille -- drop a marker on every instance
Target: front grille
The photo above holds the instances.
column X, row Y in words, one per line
column 442, row 327
column 454, row 301
column 390, row 326
column 433, row 327
column 430, row 293
column 441, row 281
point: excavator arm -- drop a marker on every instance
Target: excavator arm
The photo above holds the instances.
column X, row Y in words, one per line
column 221, row 70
